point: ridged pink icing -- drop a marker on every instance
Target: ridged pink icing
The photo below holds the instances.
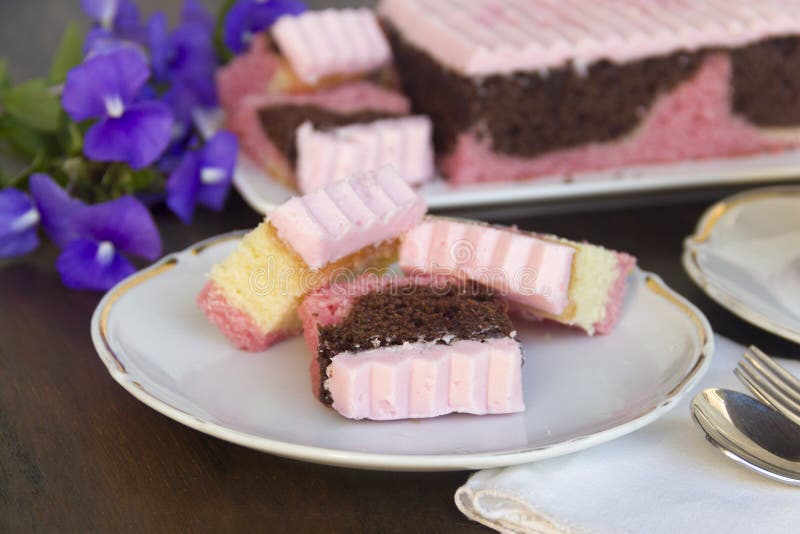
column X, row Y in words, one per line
column 694, row 121
column 244, row 120
column 330, row 223
column 519, row 267
column 428, row 379
column 483, row 37
column 327, row 156
column 237, row 325
column 332, row 41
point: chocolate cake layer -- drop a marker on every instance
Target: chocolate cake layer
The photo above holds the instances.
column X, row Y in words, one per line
column 528, row 113
column 440, row 313
column 281, row 122
column 766, row 82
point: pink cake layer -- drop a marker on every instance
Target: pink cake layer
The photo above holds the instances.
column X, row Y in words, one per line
column 694, row 121
column 329, row 155
column 520, row 267
column 239, row 327
column 484, row 37
column 246, row 74
column 428, row 380
column 342, row 218
column 243, row 117
column 616, row 296
column 329, row 42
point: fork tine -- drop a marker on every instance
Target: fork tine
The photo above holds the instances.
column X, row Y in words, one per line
column 792, row 383
column 766, row 373
column 766, row 391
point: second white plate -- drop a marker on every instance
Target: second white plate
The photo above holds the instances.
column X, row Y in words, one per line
column 745, row 254
column 263, row 193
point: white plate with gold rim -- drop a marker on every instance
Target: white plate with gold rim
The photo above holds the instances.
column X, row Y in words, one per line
column 745, row 254
column 579, row 391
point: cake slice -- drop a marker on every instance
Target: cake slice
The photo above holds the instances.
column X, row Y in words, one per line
column 328, row 155
column 519, row 89
column 252, row 295
column 308, row 52
column 267, row 123
column 389, row 348
column 576, row 284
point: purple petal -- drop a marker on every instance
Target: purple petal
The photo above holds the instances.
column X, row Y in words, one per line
column 102, row 11
column 56, row 208
column 248, row 17
column 194, row 13
column 138, row 137
column 97, row 266
column 158, row 42
column 217, row 163
column 182, row 188
column 124, row 222
column 18, row 221
column 104, row 83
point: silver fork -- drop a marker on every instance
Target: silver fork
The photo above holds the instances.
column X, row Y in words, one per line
column 770, row 382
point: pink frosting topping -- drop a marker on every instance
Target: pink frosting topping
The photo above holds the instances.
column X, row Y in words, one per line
column 327, row 156
column 519, row 267
column 428, row 379
column 331, row 41
column 483, row 37
column 330, row 223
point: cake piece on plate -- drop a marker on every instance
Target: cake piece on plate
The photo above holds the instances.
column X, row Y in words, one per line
column 519, row 89
column 307, row 52
column 252, row 295
column 328, row 155
column 267, row 123
column 544, row 276
column 389, row 348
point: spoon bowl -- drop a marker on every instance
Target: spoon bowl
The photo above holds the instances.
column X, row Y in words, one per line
column 750, row 432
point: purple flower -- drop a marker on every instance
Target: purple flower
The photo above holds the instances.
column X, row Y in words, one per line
column 56, row 209
column 248, row 17
column 203, row 177
column 105, row 87
column 18, row 221
column 117, row 18
column 93, row 260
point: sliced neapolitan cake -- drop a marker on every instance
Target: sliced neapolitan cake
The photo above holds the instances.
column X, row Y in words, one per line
column 252, row 295
column 389, row 348
column 519, row 89
column 542, row 276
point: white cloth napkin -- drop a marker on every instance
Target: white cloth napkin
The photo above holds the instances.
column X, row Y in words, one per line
column 662, row 478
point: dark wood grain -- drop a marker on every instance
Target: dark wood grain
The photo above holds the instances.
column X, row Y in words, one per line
column 78, row 453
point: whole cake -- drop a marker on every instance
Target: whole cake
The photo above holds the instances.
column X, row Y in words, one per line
column 352, row 225
column 389, row 348
column 543, row 276
column 520, row 88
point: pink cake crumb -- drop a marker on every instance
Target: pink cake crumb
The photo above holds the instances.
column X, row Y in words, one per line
column 694, row 121
column 237, row 325
column 616, row 295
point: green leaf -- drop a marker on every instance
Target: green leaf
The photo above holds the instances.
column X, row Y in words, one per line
column 34, row 105
column 25, row 142
column 5, row 78
column 68, row 55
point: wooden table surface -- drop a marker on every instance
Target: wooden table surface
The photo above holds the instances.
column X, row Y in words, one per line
column 79, row 453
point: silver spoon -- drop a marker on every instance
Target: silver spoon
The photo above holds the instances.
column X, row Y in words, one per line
column 750, row 432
